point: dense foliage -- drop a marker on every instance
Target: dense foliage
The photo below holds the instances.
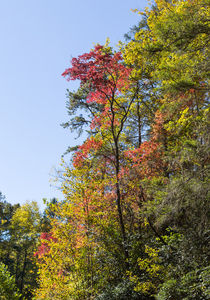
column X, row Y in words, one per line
column 20, row 228
column 134, row 222
column 7, row 285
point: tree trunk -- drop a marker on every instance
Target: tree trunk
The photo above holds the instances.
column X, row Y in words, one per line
column 23, row 272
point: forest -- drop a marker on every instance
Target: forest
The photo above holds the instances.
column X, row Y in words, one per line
column 134, row 219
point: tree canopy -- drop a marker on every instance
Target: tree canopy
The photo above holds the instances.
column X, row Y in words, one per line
column 134, row 221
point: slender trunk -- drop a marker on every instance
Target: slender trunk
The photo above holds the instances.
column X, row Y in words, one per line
column 165, row 144
column 16, row 267
column 139, row 125
column 118, row 200
column 23, row 272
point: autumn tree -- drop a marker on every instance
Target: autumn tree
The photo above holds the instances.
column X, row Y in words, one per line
column 136, row 190
column 174, row 45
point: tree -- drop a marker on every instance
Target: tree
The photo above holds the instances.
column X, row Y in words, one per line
column 136, row 190
column 108, row 80
column 25, row 229
column 174, row 46
column 7, row 211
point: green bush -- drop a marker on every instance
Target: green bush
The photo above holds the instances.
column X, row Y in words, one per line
column 192, row 286
column 122, row 291
column 8, row 289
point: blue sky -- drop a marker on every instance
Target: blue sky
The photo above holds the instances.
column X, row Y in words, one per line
column 38, row 40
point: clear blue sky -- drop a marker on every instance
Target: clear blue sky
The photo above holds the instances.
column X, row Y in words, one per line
column 38, row 39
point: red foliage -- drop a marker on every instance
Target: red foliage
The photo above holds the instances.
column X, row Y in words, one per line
column 104, row 71
column 88, row 146
column 157, row 128
column 98, row 67
column 147, row 159
column 106, row 75
column 44, row 248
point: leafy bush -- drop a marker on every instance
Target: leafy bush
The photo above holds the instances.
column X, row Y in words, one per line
column 123, row 291
column 8, row 289
column 192, row 286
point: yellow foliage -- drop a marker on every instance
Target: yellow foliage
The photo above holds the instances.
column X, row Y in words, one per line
column 152, row 270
